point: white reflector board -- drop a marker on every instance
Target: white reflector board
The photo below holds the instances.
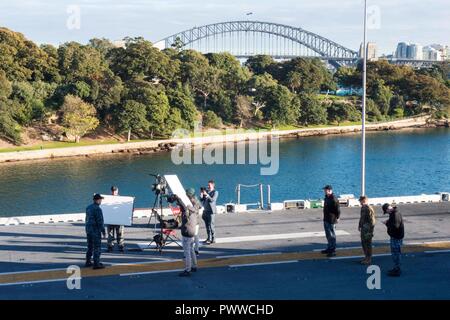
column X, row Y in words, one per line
column 177, row 188
column 117, row 210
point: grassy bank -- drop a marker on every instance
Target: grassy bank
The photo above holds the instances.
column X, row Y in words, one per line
column 64, row 144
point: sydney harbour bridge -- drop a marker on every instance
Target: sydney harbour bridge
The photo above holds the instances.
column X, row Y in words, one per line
column 248, row 38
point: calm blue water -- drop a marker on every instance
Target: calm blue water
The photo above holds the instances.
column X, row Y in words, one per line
column 398, row 163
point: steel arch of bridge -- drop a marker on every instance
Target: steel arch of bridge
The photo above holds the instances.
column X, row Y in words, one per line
column 322, row 46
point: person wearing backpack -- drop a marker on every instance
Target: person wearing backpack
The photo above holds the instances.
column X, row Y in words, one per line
column 366, row 227
column 189, row 221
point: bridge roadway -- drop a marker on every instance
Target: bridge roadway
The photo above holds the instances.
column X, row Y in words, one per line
column 259, row 255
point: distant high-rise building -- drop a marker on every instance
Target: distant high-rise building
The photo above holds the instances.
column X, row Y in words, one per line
column 402, row 50
column 371, row 51
column 415, row 52
column 430, row 53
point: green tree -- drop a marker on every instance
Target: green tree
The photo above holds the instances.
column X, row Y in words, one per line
column 312, row 111
column 199, row 75
column 22, row 60
column 180, row 98
column 78, row 117
column 80, row 62
column 294, row 81
column 260, row 64
column 308, row 75
column 10, row 130
column 397, row 106
column 211, row 120
column 233, row 77
column 132, row 118
column 282, row 108
column 102, row 45
column 177, row 44
column 382, row 96
column 173, row 122
column 372, row 111
column 5, row 85
column 243, row 109
column 349, row 77
column 140, row 59
column 340, row 111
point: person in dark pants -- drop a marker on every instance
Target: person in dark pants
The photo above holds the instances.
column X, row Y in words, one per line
column 396, row 231
column 94, row 230
column 115, row 232
column 331, row 215
column 209, row 199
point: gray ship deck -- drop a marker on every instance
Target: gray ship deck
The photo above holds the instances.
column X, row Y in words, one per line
column 271, row 255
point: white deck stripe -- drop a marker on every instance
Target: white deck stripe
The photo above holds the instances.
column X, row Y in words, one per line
column 280, row 236
column 262, row 237
column 32, row 271
column 260, row 264
column 437, row 251
column 149, row 272
column 247, row 255
column 361, row 256
column 30, row 282
column 341, row 248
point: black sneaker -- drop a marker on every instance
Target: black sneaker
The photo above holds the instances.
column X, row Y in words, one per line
column 207, row 241
column 98, row 266
column 122, row 249
column 396, row 272
column 213, row 240
column 197, row 253
column 325, row 251
column 185, row 274
column 193, row 269
column 331, row 254
column 110, row 249
column 88, row 264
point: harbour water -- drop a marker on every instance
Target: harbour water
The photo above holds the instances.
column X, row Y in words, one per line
column 398, row 163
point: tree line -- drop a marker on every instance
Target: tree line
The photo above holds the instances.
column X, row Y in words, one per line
column 149, row 93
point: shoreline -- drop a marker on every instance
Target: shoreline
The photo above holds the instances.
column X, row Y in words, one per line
column 164, row 145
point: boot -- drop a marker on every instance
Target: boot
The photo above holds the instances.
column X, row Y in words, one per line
column 185, row 273
column 396, row 272
column 88, row 263
column 98, row 266
column 369, row 255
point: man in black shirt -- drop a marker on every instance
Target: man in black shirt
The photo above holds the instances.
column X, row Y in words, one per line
column 396, row 231
column 331, row 214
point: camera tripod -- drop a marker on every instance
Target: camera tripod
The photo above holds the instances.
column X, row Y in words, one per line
column 161, row 236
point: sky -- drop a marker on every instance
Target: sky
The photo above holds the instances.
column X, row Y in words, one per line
column 389, row 21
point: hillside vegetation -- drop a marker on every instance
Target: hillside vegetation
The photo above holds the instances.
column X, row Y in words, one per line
column 77, row 89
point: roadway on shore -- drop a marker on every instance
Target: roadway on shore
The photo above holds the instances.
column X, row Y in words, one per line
column 243, row 264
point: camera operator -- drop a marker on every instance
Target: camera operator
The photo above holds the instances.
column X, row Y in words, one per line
column 209, row 199
column 189, row 218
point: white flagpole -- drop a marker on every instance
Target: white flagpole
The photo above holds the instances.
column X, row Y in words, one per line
column 363, row 111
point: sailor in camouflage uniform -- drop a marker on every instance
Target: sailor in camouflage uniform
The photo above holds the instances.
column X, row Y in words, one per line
column 366, row 227
column 94, row 231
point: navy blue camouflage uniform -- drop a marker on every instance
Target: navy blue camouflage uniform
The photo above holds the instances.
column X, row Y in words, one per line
column 94, row 230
